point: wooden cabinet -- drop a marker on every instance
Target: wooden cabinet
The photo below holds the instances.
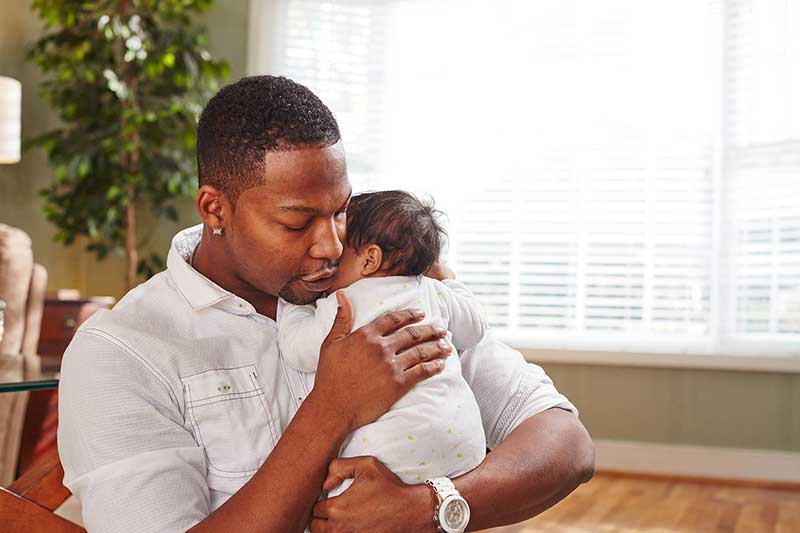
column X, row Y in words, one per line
column 61, row 319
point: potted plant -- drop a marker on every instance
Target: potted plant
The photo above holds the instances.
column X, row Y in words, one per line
column 128, row 80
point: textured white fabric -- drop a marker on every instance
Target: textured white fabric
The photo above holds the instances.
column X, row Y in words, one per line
column 435, row 430
column 150, row 437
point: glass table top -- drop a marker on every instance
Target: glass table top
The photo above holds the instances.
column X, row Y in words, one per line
column 25, row 373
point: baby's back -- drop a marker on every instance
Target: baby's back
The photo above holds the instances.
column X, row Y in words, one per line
column 434, row 430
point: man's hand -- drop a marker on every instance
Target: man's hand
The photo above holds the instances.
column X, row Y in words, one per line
column 377, row 501
column 440, row 271
column 362, row 374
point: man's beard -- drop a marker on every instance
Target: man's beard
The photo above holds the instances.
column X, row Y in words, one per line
column 288, row 294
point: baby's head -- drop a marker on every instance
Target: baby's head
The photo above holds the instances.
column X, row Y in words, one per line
column 389, row 233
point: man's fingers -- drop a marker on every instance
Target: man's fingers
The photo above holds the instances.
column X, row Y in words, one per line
column 322, row 509
column 338, row 471
column 412, row 336
column 422, row 371
column 390, row 322
column 343, row 322
column 347, row 468
column 420, row 353
column 318, row 526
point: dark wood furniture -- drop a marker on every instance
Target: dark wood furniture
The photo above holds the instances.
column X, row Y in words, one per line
column 60, row 321
column 29, row 502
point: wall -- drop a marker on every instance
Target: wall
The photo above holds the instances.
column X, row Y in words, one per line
column 735, row 409
column 20, row 204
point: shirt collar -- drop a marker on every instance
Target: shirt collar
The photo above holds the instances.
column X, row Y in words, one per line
column 199, row 291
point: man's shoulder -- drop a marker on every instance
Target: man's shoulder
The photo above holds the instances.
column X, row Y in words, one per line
column 142, row 308
column 146, row 325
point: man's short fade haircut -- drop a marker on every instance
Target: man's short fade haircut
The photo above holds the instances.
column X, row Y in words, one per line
column 251, row 117
column 408, row 231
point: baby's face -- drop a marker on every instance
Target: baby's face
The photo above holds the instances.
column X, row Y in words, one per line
column 350, row 270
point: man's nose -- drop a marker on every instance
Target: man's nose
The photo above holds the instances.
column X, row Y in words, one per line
column 327, row 244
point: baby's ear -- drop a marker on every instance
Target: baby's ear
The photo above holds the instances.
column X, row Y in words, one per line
column 371, row 257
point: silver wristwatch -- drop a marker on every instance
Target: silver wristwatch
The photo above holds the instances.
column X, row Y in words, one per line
column 451, row 514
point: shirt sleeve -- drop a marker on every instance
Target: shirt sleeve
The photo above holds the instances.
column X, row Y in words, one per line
column 302, row 329
column 508, row 389
column 126, row 454
column 466, row 320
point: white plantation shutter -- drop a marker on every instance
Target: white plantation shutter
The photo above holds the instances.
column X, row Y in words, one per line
column 763, row 165
column 596, row 195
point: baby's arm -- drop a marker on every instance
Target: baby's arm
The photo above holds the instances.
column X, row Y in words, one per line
column 302, row 329
column 467, row 322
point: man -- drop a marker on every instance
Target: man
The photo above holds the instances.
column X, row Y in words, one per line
column 177, row 411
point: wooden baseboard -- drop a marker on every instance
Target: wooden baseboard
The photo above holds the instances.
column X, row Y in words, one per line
column 762, row 468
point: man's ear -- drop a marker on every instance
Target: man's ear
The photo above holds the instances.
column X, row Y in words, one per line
column 212, row 206
column 372, row 257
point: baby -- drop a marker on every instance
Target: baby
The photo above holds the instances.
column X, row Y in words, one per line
column 392, row 238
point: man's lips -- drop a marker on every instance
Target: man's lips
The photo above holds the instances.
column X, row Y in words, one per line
column 320, row 274
column 319, row 282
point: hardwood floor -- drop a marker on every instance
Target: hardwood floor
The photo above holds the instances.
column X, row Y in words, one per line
column 612, row 503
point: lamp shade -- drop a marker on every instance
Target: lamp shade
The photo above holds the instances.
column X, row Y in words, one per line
column 10, row 119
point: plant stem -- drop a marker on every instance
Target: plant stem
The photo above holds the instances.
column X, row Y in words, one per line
column 130, row 158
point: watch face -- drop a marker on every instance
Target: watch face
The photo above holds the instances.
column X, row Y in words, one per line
column 455, row 514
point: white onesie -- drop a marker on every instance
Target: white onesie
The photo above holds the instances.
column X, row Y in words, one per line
column 434, row 430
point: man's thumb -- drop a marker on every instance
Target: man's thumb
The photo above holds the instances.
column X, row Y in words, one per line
column 343, row 322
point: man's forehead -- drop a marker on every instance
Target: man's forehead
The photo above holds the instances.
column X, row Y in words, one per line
column 307, row 180
column 304, row 167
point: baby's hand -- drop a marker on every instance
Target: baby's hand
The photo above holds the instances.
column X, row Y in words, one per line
column 440, row 271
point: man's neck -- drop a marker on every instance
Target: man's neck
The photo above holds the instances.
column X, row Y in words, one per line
column 205, row 263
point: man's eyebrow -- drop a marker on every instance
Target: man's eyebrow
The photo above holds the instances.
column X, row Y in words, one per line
column 300, row 209
column 310, row 210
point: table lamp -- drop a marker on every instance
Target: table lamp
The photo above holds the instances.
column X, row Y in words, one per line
column 10, row 119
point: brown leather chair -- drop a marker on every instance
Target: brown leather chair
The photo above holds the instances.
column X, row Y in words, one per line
column 22, row 287
column 28, row 503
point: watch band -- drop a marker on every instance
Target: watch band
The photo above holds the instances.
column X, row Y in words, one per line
column 442, row 487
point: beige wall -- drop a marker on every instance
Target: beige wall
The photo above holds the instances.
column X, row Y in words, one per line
column 715, row 408
column 20, row 204
column 737, row 409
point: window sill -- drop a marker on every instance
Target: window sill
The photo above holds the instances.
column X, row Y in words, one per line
column 783, row 364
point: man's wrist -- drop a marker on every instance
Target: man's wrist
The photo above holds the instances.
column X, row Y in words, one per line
column 332, row 421
column 423, row 509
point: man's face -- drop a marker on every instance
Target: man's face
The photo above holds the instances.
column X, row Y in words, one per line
column 286, row 235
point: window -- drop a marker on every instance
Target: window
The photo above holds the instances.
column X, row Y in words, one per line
column 618, row 175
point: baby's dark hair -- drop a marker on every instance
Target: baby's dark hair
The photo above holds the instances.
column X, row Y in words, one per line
column 407, row 230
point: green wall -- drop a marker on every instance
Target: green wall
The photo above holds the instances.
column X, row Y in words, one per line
column 675, row 406
column 734, row 408
column 20, row 204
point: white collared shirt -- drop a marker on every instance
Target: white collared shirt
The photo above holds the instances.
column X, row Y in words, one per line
column 172, row 400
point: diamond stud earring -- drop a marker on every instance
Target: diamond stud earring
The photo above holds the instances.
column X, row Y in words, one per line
column 217, row 231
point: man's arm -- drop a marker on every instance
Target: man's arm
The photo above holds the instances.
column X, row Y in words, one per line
column 543, row 460
column 540, row 454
